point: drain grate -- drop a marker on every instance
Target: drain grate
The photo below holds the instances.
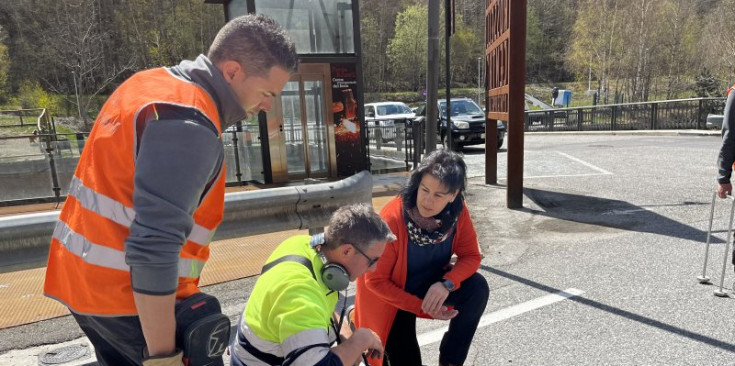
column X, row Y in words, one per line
column 64, row 354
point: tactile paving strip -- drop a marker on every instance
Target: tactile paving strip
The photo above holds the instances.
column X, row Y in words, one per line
column 21, row 292
column 22, row 300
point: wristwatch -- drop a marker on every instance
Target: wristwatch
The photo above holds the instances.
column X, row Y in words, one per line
column 448, row 284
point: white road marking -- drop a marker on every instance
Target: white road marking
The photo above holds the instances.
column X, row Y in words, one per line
column 624, row 212
column 503, row 314
column 551, row 176
column 603, row 171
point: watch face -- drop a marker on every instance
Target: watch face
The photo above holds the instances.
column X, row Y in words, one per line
column 449, row 285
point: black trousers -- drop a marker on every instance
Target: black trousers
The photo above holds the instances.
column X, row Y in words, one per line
column 116, row 340
column 470, row 300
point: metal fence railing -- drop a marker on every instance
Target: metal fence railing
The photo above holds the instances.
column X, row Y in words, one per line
column 394, row 144
column 243, row 154
column 659, row 115
column 39, row 166
column 19, row 117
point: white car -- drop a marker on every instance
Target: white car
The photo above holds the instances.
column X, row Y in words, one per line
column 714, row 121
column 382, row 118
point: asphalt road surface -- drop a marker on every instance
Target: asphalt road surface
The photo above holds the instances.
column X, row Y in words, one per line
column 599, row 267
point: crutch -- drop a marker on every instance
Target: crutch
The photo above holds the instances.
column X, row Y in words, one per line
column 704, row 279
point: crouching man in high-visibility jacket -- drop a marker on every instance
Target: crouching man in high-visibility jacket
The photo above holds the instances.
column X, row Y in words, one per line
column 288, row 317
column 148, row 193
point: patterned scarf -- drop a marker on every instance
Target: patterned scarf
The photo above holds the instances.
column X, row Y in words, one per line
column 425, row 231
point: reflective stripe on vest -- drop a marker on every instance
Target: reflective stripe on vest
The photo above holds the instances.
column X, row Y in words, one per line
column 121, row 214
column 103, row 256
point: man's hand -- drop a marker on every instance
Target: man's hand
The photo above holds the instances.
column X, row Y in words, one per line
column 363, row 340
column 169, row 360
column 375, row 347
column 724, row 189
column 434, row 299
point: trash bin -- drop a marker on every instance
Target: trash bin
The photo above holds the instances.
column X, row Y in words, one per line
column 564, row 98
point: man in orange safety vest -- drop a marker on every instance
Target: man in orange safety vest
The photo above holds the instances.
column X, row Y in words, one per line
column 148, row 192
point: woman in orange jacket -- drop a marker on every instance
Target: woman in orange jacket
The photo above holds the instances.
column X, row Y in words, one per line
column 414, row 276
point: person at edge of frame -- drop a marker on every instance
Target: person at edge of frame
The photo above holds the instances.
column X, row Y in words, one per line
column 726, row 156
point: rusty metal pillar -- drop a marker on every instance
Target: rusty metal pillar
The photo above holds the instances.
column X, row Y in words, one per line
column 505, row 54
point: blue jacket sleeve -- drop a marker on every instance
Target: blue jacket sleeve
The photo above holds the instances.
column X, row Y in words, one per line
column 726, row 157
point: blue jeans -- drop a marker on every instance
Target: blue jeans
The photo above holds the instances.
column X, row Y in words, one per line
column 470, row 300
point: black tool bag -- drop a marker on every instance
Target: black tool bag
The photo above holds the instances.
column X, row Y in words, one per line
column 202, row 331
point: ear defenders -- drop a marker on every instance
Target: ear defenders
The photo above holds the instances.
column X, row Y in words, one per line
column 334, row 276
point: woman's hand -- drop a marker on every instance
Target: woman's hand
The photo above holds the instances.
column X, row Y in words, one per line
column 434, row 299
column 444, row 313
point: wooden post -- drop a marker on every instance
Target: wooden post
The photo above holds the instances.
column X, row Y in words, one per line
column 505, row 22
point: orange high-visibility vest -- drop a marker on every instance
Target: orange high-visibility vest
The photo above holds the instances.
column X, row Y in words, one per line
column 86, row 267
column 727, row 92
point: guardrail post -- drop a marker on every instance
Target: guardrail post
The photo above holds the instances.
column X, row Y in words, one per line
column 408, row 129
column 654, row 116
column 237, row 129
column 580, row 116
column 319, row 229
column 613, row 117
column 80, row 141
column 700, row 113
column 400, row 129
column 367, row 147
column 550, row 119
column 378, row 136
column 418, row 142
column 52, row 164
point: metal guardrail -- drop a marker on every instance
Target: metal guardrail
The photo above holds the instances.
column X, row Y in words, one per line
column 658, row 115
column 286, row 208
column 246, row 213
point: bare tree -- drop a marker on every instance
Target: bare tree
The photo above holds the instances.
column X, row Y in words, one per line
column 76, row 41
column 717, row 48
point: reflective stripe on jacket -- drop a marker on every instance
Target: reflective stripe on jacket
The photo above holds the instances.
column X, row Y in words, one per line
column 86, row 267
column 289, row 309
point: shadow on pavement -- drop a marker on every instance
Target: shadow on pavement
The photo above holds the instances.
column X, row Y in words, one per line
column 614, row 214
column 730, row 347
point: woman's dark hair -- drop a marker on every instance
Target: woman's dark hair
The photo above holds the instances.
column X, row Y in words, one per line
column 449, row 168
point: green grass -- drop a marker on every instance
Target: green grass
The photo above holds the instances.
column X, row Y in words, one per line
column 14, row 120
column 17, row 130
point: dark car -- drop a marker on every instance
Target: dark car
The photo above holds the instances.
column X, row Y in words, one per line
column 468, row 123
